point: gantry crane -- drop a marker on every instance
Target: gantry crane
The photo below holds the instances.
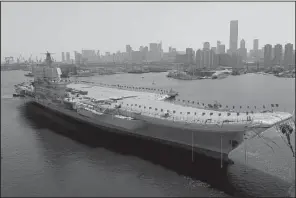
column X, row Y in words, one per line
column 8, row 59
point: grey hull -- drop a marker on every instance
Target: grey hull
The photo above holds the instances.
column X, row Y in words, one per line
column 213, row 143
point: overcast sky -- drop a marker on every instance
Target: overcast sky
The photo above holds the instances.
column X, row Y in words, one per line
column 36, row 27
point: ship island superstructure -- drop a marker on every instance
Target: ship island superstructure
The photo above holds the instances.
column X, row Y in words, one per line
column 141, row 112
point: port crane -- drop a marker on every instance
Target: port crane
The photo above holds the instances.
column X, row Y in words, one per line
column 8, row 59
column 19, row 59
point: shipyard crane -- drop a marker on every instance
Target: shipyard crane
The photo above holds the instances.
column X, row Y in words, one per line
column 8, row 59
column 19, row 59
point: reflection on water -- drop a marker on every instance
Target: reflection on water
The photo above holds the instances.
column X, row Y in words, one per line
column 40, row 162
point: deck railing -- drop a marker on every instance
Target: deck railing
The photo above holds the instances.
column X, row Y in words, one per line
column 196, row 104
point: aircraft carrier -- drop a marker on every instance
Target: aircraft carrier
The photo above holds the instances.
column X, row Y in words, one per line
column 142, row 112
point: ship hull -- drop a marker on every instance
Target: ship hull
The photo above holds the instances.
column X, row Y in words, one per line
column 214, row 144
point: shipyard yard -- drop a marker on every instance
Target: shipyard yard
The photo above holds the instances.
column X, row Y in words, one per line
column 45, row 161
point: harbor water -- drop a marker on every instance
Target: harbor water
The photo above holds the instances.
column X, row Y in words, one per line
column 37, row 160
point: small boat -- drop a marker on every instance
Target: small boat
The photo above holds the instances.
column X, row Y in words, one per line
column 29, row 74
column 18, row 95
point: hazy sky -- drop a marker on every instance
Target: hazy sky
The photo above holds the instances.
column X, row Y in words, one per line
column 36, row 27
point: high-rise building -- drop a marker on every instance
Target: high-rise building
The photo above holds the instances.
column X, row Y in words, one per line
column 288, row 56
column 221, row 49
column 214, row 49
column 278, row 54
column 243, row 50
column 256, row 45
column 199, row 58
column 267, row 55
column 190, row 55
column 128, row 48
column 218, row 47
column 206, row 45
column 77, row 58
column 255, row 54
column 213, row 59
column 68, row 56
column 206, row 58
column 159, row 47
column 233, row 36
column 63, row 56
column 153, row 47
column 243, row 44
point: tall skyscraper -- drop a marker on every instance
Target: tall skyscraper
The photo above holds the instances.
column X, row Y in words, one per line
column 233, row 36
column 243, row 44
column 63, row 56
column 267, row 55
column 159, row 46
column 214, row 49
column 218, row 46
column 255, row 52
column 206, row 58
column 278, row 54
column 199, row 58
column 256, row 45
column 288, row 56
column 128, row 48
column 221, row 49
column 243, row 50
column 206, row 45
column 68, row 56
column 190, row 55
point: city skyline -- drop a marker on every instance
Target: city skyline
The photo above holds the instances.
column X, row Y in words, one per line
column 53, row 32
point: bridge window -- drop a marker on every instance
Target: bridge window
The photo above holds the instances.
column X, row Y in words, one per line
column 180, row 112
column 144, row 107
column 188, row 113
column 219, row 114
column 174, row 111
column 195, row 113
column 228, row 114
column 211, row 113
column 161, row 110
column 155, row 109
column 135, row 104
column 140, row 106
column 150, row 107
column 203, row 113
column 237, row 114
